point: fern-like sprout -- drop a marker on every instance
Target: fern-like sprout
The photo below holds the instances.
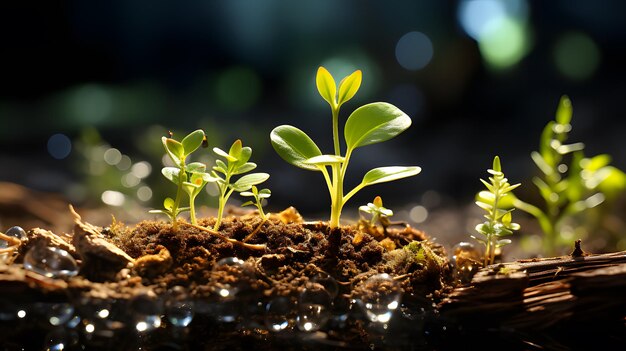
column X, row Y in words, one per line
column 499, row 220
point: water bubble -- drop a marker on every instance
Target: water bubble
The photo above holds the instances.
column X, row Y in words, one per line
column 277, row 313
column 60, row 339
column 50, row 261
column 227, row 278
column 17, row 232
column 314, row 305
column 328, row 282
column 59, row 313
column 145, row 312
column 466, row 261
column 179, row 309
column 379, row 296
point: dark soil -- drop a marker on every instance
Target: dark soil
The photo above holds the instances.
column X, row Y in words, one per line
column 283, row 258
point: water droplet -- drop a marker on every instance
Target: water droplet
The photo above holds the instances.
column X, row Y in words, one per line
column 229, row 277
column 466, row 261
column 145, row 312
column 378, row 296
column 179, row 308
column 60, row 339
column 50, row 261
column 328, row 282
column 17, row 232
column 59, row 313
column 313, row 308
column 277, row 313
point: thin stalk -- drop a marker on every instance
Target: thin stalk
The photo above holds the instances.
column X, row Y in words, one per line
column 335, row 112
column 192, row 209
column 179, row 191
column 336, row 197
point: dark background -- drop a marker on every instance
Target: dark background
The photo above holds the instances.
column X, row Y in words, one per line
column 122, row 73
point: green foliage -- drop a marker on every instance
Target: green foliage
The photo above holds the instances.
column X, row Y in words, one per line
column 566, row 188
column 499, row 220
column 377, row 212
column 236, row 163
column 189, row 178
column 259, row 196
column 369, row 124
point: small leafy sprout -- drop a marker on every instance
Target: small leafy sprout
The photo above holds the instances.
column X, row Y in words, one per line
column 179, row 175
column 236, row 163
column 369, row 124
column 567, row 189
column 498, row 223
column 377, row 212
column 259, row 196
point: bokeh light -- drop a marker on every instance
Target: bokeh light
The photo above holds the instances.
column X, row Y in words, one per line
column 414, row 51
column 500, row 28
column 576, row 56
column 504, row 42
column 59, row 146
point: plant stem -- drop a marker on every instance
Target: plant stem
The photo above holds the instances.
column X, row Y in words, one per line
column 179, row 191
column 336, row 197
column 335, row 112
column 192, row 209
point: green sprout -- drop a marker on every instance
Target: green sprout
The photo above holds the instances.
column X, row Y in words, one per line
column 377, row 212
column 236, row 163
column 567, row 189
column 369, row 124
column 498, row 217
column 179, row 175
column 259, row 196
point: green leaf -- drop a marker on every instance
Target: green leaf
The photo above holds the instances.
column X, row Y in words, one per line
column 169, row 203
column 244, row 155
column 248, row 203
column 485, row 206
column 171, row 173
column 374, row 123
column 264, row 193
column 388, row 174
column 294, row 146
column 569, row 148
column 325, row 160
column 503, row 242
column 544, row 144
column 235, row 149
column 349, row 86
column 174, row 150
column 245, row 168
column 496, row 164
column 564, row 111
column 326, row 86
column 196, row 167
column 541, row 163
column 246, row 182
column 192, row 141
column 224, row 154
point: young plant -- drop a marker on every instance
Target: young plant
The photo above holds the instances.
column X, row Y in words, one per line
column 259, row 196
column 567, row 189
column 369, row 124
column 236, row 163
column 377, row 212
column 498, row 223
column 178, row 153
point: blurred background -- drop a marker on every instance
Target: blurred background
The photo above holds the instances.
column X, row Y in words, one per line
column 89, row 88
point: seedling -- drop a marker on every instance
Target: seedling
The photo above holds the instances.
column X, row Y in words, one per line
column 498, row 223
column 377, row 212
column 178, row 153
column 369, row 124
column 259, row 196
column 236, row 163
column 567, row 189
